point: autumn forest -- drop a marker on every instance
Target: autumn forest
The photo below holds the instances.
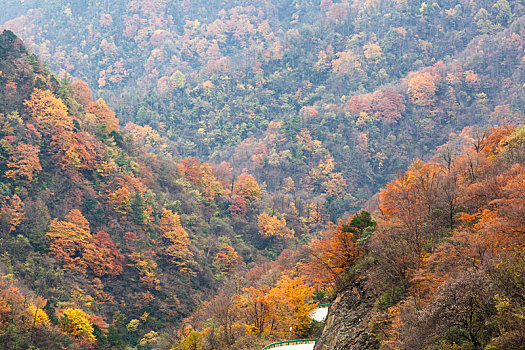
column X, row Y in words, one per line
column 201, row 175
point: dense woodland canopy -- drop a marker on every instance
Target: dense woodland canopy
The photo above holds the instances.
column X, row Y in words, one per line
column 192, row 176
column 335, row 95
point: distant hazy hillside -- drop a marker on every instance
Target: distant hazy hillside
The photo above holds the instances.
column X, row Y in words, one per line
column 294, row 89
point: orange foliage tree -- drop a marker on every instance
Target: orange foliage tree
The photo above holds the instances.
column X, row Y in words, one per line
column 68, row 239
column 272, row 311
column 408, row 203
column 335, row 186
column 495, row 220
column 11, row 213
column 255, row 310
column 462, row 282
column 77, row 150
column 72, row 149
column 338, row 250
column 23, row 163
column 81, row 92
column 121, row 199
column 103, row 114
column 190, row 168
column 19, row 309
column 226, row 258
column 102, row 256
column 75, row 248
column 422, row 88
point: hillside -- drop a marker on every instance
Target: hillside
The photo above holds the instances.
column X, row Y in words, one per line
column 95, row 229
column 200, row 174
column 305, row 90
column 444, row 268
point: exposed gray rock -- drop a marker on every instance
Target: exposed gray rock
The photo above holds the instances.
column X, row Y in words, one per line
column 346, row 326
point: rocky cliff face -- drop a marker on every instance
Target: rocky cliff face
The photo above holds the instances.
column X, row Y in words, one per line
column 347, row 322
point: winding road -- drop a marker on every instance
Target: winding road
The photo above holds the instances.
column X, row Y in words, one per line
column 302, row 344
column 298, row 347
column 319, row 315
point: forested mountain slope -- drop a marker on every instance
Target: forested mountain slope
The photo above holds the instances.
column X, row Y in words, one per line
column 334, row 95
column 104, row 243
column 185, row 202
column 444, row 268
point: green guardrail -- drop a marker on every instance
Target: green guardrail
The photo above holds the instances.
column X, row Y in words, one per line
column 290, row 342
column 318, row 306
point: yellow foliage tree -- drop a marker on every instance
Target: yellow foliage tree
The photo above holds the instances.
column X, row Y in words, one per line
column 247, row 188
column 335, row 186
column 192, row 341
column 270, row 226
column 146, row 267
column 211, row 187
column 292, row 303
column 149, row 339
column 77, row 324
column 40, row 317
column 50, row 112
column 177, row 242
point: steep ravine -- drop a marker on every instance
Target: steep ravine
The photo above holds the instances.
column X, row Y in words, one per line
column 346, row 326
